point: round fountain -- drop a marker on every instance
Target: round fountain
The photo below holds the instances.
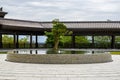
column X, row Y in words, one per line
column 62, row 57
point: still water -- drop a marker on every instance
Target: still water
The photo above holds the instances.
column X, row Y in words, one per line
column 45, row 51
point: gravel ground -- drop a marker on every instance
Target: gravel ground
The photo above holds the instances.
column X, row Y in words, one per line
column 26, row 71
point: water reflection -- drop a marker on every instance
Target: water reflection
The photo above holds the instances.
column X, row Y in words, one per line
column 93, row 52
column 56, row 52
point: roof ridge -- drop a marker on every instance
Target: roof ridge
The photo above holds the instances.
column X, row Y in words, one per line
column 62, row 21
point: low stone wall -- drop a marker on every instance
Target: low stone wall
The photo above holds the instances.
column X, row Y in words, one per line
column 59, row 58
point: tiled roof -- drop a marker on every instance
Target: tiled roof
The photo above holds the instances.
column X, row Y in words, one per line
column 20, row 23
column 69, row 24
column 89, row 25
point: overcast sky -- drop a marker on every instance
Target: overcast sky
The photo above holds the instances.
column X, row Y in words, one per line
column 65, row 10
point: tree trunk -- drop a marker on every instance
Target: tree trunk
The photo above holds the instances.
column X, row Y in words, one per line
column 56, row 44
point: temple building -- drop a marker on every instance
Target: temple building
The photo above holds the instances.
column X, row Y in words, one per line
column 80, row 28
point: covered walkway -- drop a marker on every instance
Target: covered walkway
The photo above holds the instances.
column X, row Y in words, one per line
column 80, row 28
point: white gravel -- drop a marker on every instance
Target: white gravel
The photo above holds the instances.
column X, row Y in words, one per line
column 26, row 71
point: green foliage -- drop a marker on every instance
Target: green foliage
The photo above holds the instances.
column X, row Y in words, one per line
column 59, row 29
column 50, row 39
column 65, row 39
column 102, row 39
column 24, row 39
column 117, row 39
column 82, row 42
column 3, row 52
column 8, row 41
column 115, row 53
column 81, row 39
column 52, row 51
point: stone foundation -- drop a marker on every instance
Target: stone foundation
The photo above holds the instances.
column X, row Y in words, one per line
column 59, row 58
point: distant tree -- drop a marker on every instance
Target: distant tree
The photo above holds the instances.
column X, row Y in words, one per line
column 81, row 39
column 102, row 39
column 7, row 39
column 117, row 39
column 24, row 39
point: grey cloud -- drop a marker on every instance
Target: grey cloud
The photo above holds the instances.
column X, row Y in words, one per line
column 63, row 9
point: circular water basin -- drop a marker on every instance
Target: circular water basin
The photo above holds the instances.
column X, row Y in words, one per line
column 58, row 57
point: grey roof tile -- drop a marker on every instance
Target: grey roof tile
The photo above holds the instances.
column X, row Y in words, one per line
column 69, row 24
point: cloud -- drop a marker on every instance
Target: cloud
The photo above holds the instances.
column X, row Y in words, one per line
column 48, row 4
column 47, row 10
column 104, row 5
column 99, row 1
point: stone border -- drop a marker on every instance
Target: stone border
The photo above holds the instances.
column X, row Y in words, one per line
column 59, row 58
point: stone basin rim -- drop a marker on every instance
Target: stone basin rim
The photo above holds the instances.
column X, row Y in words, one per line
column 59, row 58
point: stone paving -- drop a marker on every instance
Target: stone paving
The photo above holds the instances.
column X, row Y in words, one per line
column 26, row 71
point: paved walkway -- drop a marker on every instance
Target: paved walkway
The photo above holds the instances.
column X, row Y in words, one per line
column 25, row 71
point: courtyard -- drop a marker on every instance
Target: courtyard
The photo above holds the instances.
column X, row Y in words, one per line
column 100, row 34
column 26, row 71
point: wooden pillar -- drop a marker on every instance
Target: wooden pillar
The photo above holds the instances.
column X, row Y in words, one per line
column 36, row 44
column 73, row 41
column 1, row 46
column 112, row 41
column 93, row 42
column 17, row 41
column 14, row 38
column 30, row 40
